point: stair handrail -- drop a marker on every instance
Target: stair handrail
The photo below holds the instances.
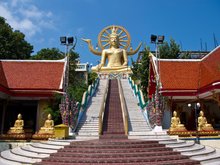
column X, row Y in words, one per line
column 123, row 107
column 102, row 108
column 138, row 93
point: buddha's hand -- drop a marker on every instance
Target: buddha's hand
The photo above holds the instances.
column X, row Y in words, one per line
column 100, row 66
column 125, row 64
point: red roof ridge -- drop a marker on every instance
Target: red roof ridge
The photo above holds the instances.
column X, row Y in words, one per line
column 218, row 47
column 13, row 60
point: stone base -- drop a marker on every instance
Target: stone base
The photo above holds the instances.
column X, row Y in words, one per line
column 16, row 136
column 42, row 136
column 193, row 133
column 113, row 75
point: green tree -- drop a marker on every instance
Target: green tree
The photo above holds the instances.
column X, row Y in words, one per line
column 91, row 77
column 12, row 43
column 141, row 71
column 135, row 70
column 186, row 55
column 77, row 85
column 144, row 69
column 169, row 50
column 48, row 54
column 73, row 60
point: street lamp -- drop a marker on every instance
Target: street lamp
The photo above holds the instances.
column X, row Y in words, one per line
column 67, row 41
column 157, row 40
column 196, row 108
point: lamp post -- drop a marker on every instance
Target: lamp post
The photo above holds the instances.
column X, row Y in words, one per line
column 157, row 40
column 196, row 108
column 67, row 41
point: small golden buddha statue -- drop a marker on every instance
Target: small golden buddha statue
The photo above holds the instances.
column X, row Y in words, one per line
column 117, row 57
column 48, row 127
column 176, row 124
column 203, row 124
column 18, row 126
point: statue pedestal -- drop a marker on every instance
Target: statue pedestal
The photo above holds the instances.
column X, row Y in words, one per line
column 113, row 75
column 45, row 136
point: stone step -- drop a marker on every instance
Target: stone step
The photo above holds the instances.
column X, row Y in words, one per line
column 138, row 133
column 88, row 133
column 61, row 140
column 134, row 160
column 203, row 152
column 88, row 125
column 114, row 154
column 172, row 141
column 56, row 143
column 38, row 150
column 87, row 137
column 89, row 128
column 21, row 152
column 45, row 146
column 212, row 159
column 17, row 158
column 181, row 145
column 9, row 162
column 148, row 137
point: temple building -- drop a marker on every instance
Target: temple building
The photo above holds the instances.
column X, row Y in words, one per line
column 26, row 87
column 183, row 83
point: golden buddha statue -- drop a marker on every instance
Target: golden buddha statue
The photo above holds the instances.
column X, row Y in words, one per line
column 113, row 41
column 203, row 124
column 176, row 124
column 48, row 127
column 18, row 126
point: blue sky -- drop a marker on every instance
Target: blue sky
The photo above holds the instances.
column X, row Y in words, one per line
column 44, row 21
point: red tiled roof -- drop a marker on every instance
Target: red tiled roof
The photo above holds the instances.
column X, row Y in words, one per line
column 179, row 74
column 210, row 68
column 190, row 74
column 31, row 75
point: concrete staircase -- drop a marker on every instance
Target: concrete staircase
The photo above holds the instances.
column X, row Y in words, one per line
column 139, row 128
column 114, row 151
column 88, row 127
column 117, row 152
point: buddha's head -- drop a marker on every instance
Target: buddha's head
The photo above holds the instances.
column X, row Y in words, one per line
column 19, row 116
column 174, row 113
column 201, row 113
column 49, row 116
column 114, row 39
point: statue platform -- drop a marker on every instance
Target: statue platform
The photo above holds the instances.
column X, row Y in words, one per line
column 42, row 136
column 16, row 136
column 193, row 133
column 113, row 75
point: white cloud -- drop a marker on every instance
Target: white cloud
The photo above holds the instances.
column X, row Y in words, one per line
column 23, row 15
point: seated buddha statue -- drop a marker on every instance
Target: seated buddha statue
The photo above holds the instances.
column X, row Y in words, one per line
column 116, row 56
column 48, row 127
column 176, row 124
column 203, row 124
column 18, row 126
